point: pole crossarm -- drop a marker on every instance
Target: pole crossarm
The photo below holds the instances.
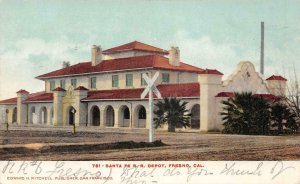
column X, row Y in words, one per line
column 151, row 85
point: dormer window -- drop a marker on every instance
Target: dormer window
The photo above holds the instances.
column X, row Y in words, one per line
column 74, row 82
column 129, row 81
column 143, row 82
column 115, row 81
column 165, row 78
column 93, row 82
column 62, row 84
column 52, row 85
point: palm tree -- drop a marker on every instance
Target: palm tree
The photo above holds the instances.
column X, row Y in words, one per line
column 282, row 117
column 246, row 113
column 173, row 112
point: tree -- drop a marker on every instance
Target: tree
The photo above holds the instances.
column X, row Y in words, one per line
column 246, row 113
column 173, row 112
column 282, row 117
column 293, row 94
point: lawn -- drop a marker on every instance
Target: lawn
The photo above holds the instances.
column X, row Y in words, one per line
column 179, row 146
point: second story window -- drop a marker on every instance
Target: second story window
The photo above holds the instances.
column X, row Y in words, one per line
column 74, row 82
column 62, row 84
column 93, row 82
column 52, row 85
column 143, row 82
column 165, row 78
column 115, row 81
column 129, row 81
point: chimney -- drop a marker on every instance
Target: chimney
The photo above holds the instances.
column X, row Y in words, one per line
column 174, row 56
column 66, row 64
column 262, row 29
column 96, row 55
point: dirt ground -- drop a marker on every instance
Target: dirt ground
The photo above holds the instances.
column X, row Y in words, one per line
column 180, row 145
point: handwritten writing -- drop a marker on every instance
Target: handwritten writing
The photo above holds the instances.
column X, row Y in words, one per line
column 138, row 173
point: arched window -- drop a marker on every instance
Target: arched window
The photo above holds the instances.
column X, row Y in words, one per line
column 15, row 111
column 95, row 114
column 195, row 117
column 126, row 113
column 142, row 113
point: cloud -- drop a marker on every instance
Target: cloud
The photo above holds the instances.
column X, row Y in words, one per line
column 28, row 58
column 203, row 52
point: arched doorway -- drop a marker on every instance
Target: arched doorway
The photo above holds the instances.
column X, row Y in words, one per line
column 43, row 116
column 14, row 117
column 195, row 117
column 140, row 117
column 110, row 116
column 6, row 115
column 95, row 116
column 32, row 115
column 71, row 115
column 124, row 116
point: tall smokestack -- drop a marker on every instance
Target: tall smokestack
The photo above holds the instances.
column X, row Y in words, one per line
column 262, row 27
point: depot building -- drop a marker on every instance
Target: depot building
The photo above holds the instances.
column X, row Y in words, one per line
column 106, row 91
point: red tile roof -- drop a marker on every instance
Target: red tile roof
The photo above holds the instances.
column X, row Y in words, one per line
column 135, row 46
column 225, row 94
column 59, row 89
column 33, row 97
column 22, row 91
column 269, row 97
column 166, row 90
column 266, row 96
column 277, row 77
column 149, row 61
column 209, row 71
column 9, row 101
column 81, row 88
column 40, row 97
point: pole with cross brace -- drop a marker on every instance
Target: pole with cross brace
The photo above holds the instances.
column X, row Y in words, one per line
column 151, row 88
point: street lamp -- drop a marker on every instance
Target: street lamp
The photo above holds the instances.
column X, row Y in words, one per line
column 73, row 111
column 6, row 119
column 130, row 112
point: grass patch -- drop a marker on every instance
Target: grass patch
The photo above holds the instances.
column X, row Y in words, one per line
column 81, row 147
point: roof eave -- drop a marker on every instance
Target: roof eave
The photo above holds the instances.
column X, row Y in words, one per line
column 41, row 101
column 92, row 73
column 127, row 50
column 8, row 103
column 140, row 99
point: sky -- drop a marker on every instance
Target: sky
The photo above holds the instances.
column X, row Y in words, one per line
column 37, row 36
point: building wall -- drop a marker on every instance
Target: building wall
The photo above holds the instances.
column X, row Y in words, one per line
column 104, row 80
column 177, row 77
column 245, row 78
column 9, row 117
column 2, row 114
column 127, row 54
column 35, row 118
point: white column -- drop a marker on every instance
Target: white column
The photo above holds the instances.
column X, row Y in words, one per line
column 49, row 116
column 102, row 120
column 81, row 108
column 57, row 108
column 21, row 108
column 210, row 85
column 116, row 118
